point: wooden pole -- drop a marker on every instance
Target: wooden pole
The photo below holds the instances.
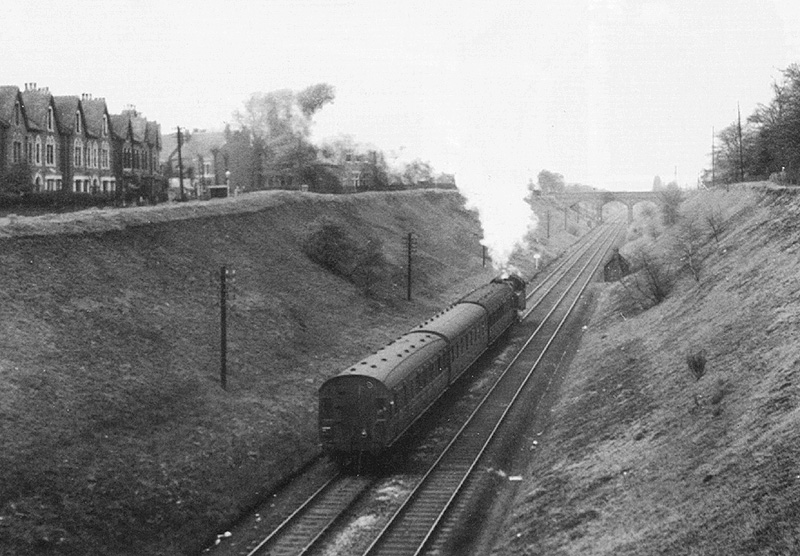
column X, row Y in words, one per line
column 180, row 163
column 741, row 150
column 410, row 244
column 223, row 304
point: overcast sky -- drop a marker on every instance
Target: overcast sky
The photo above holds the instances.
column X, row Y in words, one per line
column 608, row 93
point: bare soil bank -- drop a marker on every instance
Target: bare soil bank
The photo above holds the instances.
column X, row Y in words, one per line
column 117, row 438
column 640, row 458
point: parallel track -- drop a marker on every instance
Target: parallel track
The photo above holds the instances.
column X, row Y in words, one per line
column 306, row 528
column 415, row 522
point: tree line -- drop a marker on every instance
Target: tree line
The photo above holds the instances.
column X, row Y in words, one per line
column 273, row 134
column 766, row 145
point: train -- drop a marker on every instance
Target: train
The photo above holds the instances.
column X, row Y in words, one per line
column 366, row 408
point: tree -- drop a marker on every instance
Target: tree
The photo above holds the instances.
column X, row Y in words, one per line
column 417, row 172
column 279, row 123
column 652, row 279
column 688, row 241
column 669, row 201
column 551, row 182
column 16, row 179
column 658, row 185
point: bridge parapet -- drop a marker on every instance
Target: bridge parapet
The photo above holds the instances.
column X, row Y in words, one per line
column 600, row 198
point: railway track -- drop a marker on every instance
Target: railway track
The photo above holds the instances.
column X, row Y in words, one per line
column 415, row 522
column 410, row 526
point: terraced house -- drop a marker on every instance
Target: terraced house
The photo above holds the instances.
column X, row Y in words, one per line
column 73, row 144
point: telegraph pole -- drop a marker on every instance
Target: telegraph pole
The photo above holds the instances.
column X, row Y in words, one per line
column 412, row 244
column 225, row 274
column 741, row 151
column 548, row 223
column 712, row 156
column 180, row 163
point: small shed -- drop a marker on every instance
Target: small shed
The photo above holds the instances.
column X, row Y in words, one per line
column 616, row 267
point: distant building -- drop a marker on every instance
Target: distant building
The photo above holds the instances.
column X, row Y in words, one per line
column 202, row 157
column 73, row 144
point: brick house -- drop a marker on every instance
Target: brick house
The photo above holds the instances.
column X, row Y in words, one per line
column 98, row 127
column 44, row 138
column 202, row 157
column 135, row 149
column 73, row 144
column 13, row 127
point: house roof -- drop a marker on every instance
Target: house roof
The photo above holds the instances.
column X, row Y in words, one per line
column 66, row 106
column 153, row 134
column 119, row 125
column 199, row 143
column 8, row 96
column 139, row 127
column 36, row 103
column 93, row 111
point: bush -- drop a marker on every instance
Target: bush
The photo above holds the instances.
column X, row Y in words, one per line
column 696, row 362
column 358, row 260
column 652, row 278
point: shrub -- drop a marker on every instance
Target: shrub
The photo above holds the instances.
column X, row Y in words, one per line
column 696, row 362
column 358, row 260
column 332, row 247
column 652, row 278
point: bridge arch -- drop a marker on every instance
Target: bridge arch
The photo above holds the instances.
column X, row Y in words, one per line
column 598, row 199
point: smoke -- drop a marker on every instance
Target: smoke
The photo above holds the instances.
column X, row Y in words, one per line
column 506, row 218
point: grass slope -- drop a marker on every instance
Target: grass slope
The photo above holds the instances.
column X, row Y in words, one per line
column 640, row 457
column 117, row 438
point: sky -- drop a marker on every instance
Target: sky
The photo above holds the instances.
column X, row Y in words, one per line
column 608, row 93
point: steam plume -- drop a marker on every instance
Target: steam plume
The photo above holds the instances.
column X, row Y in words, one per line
column 505, row 216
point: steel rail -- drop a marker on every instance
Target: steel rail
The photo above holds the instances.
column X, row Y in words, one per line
column 425, row 480
column 272, row 539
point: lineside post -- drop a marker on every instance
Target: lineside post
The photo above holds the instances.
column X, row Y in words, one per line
column 225, row 275
column 411, row 242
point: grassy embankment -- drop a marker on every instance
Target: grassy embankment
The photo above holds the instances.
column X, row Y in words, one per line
column 117, row 438
column 642, row 457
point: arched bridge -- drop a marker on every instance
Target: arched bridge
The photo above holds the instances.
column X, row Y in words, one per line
column 598, row 199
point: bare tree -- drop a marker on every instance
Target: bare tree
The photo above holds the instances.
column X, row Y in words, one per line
column 652, row 280
column 669, row 200
column 715, row 221
column 688, row 242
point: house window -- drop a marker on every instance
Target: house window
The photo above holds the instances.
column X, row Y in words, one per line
column 126, row 158
column 17, row 154
column 104, row 157
column 38, row 150
column 50, row 152
column 49, row 118
column 105, row 125
column 78, row 153
column 17, row 113
column 51, row 185
column 78, row 121
column 94, row 155
column 29, row 150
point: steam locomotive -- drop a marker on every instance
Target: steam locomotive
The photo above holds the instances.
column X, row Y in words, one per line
column 366, row 408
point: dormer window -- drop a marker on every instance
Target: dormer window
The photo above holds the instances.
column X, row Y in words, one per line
column 78, row 121
column 105, row 125
column 49, row 118
column 17, row 113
